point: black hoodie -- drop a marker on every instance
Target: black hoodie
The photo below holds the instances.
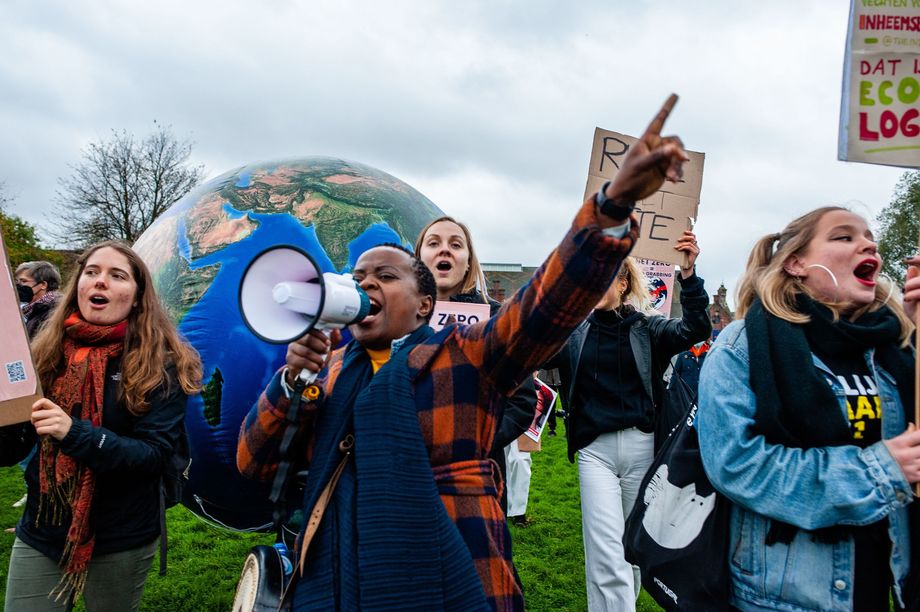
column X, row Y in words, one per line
column 608, row 388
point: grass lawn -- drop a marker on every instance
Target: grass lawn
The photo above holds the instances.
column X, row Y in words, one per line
column 204, row 562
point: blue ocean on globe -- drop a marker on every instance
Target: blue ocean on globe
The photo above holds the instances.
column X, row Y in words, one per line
column 198, row 251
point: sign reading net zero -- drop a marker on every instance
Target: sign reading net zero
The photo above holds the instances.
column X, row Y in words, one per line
column 665, row 215
column 880, row 105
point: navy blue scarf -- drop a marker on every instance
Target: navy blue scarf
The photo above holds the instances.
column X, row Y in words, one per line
column 795, row 405
column 386, row 541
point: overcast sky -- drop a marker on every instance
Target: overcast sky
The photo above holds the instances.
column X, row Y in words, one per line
column 488, row 108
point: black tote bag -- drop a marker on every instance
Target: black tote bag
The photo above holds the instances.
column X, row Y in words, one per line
column 677, row 532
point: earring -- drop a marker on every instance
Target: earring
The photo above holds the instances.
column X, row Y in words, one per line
column 828, row 270
column 891, row 287
column 833, row 279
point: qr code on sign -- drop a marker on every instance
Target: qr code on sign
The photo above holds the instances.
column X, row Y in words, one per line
column 15, row 372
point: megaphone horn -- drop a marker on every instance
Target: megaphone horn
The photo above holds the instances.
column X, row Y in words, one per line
column 283, row 295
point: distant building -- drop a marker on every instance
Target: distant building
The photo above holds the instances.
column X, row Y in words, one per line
column 719, row 313
column 503, row 279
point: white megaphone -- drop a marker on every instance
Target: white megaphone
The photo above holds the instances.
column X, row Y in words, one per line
column 283, row 295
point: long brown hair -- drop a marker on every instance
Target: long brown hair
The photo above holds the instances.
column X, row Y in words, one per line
column 766, row 278
column 474, row 278
column 152, row 341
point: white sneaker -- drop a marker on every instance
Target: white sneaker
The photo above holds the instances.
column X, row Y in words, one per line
column 22, row 501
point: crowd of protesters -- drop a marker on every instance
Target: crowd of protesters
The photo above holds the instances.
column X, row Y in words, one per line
column 805, row 417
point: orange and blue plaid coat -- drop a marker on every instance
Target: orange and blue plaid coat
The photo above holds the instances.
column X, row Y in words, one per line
column 458, row 383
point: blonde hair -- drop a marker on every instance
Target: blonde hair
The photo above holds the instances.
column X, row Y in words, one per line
column 151, row 343
column 637, row 292
column 766, row 278
column 474, row 278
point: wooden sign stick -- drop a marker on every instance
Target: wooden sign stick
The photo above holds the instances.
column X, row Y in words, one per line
column 917, row 377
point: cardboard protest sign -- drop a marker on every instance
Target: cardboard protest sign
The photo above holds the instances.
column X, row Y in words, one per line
column 19, row 386
column 458, row 312
column 546, row 401
column 667, row 213
column 660, row 277
column 879, row 110
column 526, row 444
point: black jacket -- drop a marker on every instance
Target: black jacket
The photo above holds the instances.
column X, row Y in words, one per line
column 127, row 454
column 654, row 340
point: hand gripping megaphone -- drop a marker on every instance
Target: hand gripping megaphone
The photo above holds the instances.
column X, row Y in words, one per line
column 284, row 295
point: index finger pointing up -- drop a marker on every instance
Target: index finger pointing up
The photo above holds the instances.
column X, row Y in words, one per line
column 658, row 122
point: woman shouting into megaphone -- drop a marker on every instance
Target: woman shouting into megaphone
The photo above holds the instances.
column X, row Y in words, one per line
column 401, row 497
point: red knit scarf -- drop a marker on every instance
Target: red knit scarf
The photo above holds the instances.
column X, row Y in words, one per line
column 64, row 482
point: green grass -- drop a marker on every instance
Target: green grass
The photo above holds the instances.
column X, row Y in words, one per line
column 204, row 562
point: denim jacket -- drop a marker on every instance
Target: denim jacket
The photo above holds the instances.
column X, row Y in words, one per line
column 810, row 488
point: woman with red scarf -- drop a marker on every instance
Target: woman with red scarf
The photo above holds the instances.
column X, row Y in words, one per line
column 116, row 377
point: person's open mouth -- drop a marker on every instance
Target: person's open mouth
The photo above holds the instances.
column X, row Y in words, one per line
column 866, row 271
column 373, row 312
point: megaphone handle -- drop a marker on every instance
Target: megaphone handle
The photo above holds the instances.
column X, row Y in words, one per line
column 307, row 377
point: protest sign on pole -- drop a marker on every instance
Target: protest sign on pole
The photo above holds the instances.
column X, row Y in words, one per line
column 665, row 215
column 19, row 386
column 446, row 312
column 660, row 277
column 879, row 110
column 546, row 401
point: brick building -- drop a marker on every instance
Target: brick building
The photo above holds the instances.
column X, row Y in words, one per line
column 719, row 312
column 503, row 279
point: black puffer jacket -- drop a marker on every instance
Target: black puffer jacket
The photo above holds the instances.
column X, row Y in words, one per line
column 127, row 454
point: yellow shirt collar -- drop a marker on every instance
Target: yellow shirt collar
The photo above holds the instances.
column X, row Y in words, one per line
column 378, row 357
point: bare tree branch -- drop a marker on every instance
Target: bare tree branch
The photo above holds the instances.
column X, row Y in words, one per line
column 122, row 185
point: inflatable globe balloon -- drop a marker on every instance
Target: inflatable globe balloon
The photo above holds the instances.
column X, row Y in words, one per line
column 197, row 252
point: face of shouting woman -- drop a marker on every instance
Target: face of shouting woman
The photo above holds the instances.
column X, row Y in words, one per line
column 398, row 307
column 106, row 290
column 447, row 254
column 841, row 263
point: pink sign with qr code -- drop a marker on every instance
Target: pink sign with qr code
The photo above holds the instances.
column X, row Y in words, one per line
column 19, row 387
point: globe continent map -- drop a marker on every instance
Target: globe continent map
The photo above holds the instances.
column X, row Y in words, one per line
column 197, row 252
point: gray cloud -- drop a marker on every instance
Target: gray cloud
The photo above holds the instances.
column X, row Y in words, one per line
column 487, row 108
